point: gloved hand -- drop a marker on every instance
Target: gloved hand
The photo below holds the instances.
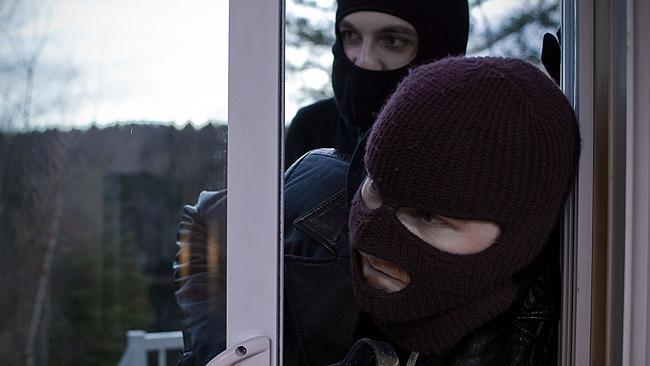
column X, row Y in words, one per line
column 551, row 54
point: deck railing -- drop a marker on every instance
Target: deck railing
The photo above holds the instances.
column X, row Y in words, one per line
column 140, row 344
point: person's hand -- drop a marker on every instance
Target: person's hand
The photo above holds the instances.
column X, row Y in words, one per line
column 551, row 55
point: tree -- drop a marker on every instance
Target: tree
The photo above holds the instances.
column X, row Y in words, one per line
column 309, row 38
column 31, row 196
column 310, row 34
column 519, row 34
column 29, row 87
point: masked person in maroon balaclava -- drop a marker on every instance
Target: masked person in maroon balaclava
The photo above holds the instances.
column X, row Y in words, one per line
column 468, row 167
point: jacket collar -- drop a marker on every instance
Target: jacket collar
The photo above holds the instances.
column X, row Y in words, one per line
column 327, row 224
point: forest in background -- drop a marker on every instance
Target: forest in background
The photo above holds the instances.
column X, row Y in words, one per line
column 89, row 222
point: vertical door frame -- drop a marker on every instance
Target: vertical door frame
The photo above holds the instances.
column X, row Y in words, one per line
column 636, row 326
column 255, row 171
column 577, row 83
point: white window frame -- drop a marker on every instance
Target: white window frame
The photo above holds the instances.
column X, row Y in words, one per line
column 255, row 171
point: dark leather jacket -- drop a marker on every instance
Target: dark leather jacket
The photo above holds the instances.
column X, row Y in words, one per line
column 322, row 320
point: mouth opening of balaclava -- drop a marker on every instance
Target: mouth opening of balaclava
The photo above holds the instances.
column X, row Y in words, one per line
column 442, row 27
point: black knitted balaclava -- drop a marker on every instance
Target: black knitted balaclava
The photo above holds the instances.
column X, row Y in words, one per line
column 442, row 27
column 491, row 139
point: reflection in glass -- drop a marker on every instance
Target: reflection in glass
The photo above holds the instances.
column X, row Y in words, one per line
column 112, row 115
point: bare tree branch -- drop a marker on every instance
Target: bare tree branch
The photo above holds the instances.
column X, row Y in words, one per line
column 43, row 281
column 508, row 37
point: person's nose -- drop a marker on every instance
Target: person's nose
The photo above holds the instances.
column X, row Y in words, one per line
column 367, row 58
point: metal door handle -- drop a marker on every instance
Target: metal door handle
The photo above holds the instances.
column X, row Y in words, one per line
column 255, row 351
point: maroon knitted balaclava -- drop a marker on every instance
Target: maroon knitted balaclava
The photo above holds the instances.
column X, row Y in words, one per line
column 489, row 139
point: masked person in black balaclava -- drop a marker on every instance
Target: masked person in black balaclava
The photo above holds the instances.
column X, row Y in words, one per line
column 369, row 60
column 372, row 53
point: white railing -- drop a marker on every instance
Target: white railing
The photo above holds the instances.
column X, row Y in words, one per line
column 140, row 343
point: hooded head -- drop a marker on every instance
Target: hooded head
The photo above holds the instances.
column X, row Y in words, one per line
column 442, row 28
column 489, row 140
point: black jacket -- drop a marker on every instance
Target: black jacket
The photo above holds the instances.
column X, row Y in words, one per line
column 322, row 320
column 313, row 127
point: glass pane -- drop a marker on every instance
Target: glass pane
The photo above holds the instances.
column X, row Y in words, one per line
column 511, row 28
column 309, row 37
column 112, row 116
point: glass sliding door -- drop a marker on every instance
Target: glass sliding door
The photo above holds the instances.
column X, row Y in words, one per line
column 112, row 116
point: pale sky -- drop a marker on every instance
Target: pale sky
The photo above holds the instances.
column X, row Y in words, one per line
column 151, row 60
column 154, row 60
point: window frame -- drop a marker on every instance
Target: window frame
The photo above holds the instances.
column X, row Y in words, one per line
column 636, row 327
column 255, row 173
column 605, row 260
column 577, row 84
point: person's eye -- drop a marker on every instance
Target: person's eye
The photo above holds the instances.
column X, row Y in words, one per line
column 431, row 218
column 349, row 36
column 396, row 43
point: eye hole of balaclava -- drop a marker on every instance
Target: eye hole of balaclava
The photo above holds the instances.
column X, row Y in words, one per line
column 448, row 234
column 377, row 41
column 451, row 235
